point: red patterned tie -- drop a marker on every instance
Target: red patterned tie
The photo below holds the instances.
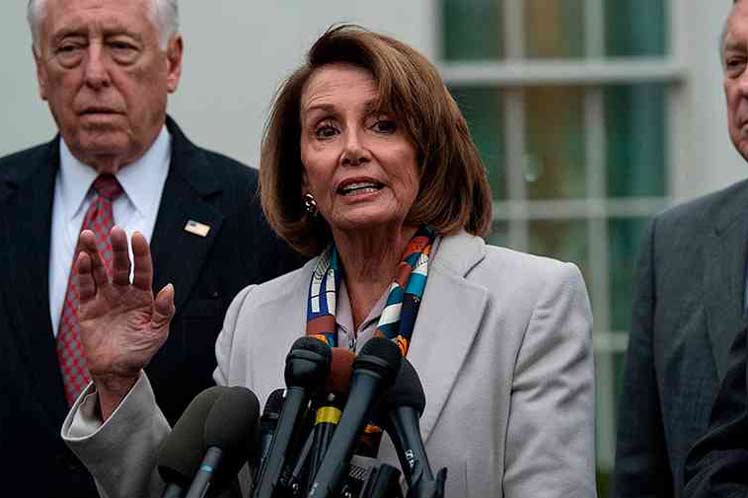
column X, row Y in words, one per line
column 100, row 220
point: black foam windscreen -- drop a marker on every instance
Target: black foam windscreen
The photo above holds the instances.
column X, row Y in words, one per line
column 406, row 391
column 308, row 363
column 309, row 343
column 379, row 355
column 232, row 418
column 182, row 451
column 232, row 426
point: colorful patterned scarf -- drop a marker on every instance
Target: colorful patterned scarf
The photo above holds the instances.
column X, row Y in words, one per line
column 403, row 300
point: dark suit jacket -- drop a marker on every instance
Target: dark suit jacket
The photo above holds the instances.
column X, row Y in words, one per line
column 689, row 306
column 717, row 465
column 206, row 272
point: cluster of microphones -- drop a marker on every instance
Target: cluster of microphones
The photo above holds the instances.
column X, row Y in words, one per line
column 310, row 441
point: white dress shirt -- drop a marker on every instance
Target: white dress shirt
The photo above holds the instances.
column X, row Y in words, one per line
column 135, row 210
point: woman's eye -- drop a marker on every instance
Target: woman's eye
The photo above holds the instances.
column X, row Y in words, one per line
column 325, row 131
column 385, row 126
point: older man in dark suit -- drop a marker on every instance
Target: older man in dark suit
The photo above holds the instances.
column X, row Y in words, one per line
column 690, row 305
column 105, row 67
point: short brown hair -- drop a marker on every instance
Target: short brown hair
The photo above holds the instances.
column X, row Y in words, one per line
column 453, row 192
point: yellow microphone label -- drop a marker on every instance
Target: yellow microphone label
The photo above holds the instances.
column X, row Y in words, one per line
column 328, row 415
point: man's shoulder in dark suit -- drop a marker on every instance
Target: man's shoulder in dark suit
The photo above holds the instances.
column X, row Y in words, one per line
column 704, row 212
column 23, row 157
column 18, row 166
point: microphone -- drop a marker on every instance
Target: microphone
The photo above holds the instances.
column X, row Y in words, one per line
column 374, row 369
column 268, row 423
column 230, row 430
column 329, row 411
column 402, row 406
column 181, row 451
column 307, row 365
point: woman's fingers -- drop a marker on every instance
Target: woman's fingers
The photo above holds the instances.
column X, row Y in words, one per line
column 120, row 257
column 141, row 255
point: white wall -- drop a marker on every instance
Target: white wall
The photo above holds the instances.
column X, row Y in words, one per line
column 236, row 54
column 24, row 119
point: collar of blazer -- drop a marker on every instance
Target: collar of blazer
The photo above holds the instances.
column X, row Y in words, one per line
column 448, row 321
column 447, row 324
column 190, row 163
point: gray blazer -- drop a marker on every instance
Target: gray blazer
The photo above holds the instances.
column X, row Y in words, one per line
column 502, row 345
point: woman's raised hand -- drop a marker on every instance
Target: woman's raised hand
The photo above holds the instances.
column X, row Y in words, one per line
column 122, row 325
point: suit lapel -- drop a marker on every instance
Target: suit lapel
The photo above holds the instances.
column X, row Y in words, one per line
column 724, row 285
column 178, row 255
column 28, row 209
column 447, row 322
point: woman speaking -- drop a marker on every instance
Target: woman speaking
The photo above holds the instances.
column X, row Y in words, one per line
column 368, row 166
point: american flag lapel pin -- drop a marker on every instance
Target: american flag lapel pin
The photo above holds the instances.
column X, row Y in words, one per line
column 197, row 228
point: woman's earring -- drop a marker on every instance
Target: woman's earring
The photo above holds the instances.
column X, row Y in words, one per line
column 310, row 205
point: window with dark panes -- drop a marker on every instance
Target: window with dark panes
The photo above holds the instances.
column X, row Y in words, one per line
column 568, row 102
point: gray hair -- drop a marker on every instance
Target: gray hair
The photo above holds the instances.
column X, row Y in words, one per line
column 723, row 35
column 165, row 16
